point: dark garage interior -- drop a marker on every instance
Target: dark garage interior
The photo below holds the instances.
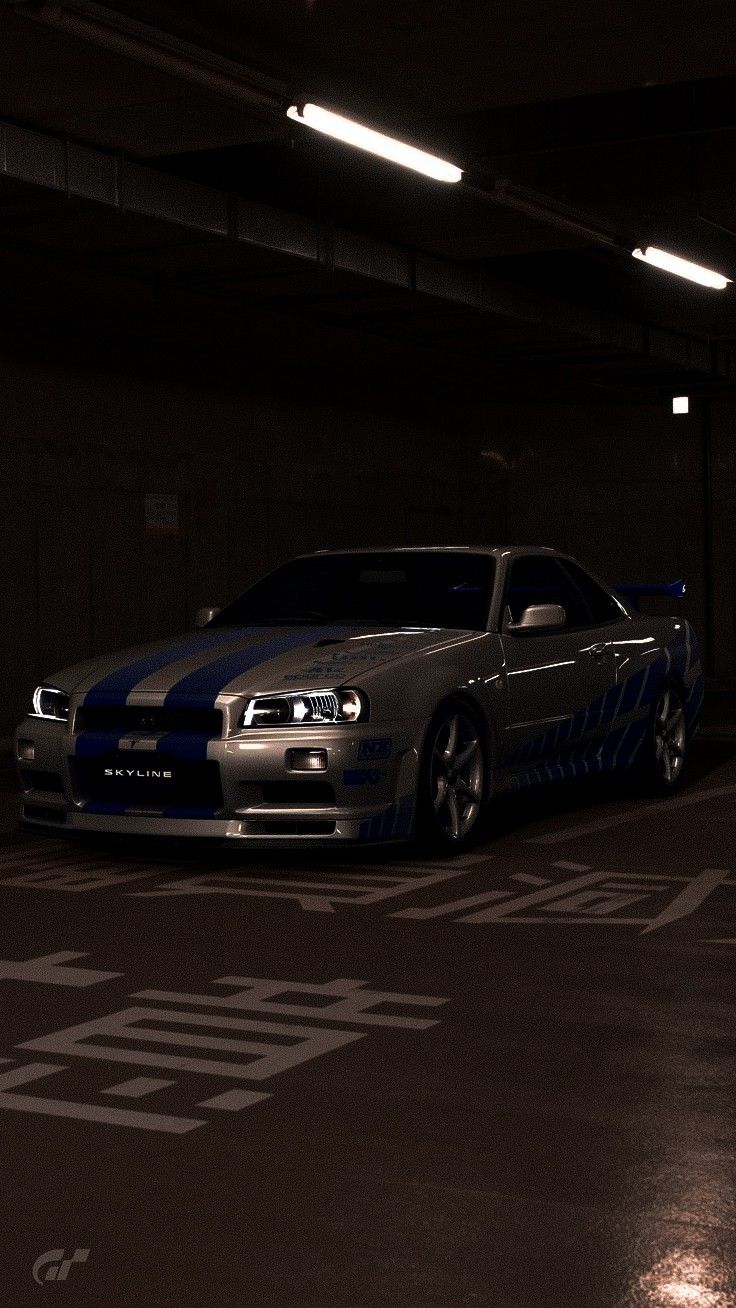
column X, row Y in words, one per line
column 228, row 340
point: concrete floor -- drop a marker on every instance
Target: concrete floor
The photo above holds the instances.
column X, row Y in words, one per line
column 544, row 1116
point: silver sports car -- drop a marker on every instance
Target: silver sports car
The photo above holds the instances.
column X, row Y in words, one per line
column 372, row 695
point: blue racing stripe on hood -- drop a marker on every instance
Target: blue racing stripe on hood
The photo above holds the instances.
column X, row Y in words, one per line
column 113, row 690
column 91, row 744
column 200, row 688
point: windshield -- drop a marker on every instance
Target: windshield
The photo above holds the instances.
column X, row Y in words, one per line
column 408, row 589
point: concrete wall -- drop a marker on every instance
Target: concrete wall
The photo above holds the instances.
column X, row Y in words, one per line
column 260, row 479
column 723, row 483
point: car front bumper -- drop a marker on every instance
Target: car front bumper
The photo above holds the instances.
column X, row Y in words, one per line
column 365, row 793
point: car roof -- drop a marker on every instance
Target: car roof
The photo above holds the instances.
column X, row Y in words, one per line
column 495, row 550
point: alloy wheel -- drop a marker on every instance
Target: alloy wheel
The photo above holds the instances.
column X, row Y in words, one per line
column 669, row 737
column 456, row 776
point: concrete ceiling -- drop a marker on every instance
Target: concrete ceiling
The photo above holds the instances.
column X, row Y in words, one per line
column 622, row 112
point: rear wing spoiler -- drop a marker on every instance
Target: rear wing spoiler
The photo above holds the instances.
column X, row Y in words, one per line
column 674, row 589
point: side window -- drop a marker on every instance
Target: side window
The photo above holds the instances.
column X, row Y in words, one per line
column 535, row 579
column 603, row 607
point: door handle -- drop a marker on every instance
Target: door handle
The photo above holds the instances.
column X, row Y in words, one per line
column 599, row 651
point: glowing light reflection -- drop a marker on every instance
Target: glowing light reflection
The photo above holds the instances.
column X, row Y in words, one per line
column 684, row 1280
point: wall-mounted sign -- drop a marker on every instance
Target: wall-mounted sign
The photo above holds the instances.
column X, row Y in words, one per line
column 162, row 514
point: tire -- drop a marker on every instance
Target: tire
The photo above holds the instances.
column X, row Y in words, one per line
column 665, row 747
column 452, row 779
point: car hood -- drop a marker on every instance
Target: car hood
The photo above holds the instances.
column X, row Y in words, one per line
column 195, row 669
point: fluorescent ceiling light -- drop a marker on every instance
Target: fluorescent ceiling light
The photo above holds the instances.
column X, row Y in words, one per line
column 344, row 129
column 682, row 267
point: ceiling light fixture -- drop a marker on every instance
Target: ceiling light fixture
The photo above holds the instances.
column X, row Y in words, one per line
column 364, row 138
column 682, row 267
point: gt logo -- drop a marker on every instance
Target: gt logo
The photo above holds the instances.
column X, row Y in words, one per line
column 374, row 749
column 57, row 1265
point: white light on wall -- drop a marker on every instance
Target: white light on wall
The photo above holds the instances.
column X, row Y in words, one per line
column 680, row 404
column 682, row 267
column 364, row 138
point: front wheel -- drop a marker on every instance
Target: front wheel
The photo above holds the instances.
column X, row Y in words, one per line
column 452, row 779
column 665, row 744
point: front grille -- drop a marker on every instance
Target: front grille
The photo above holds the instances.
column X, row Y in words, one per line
column 154, row 721
column 302, row 827
column 193, row 783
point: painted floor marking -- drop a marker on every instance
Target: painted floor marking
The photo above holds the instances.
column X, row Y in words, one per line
column 210, row 1044
column 48, row 970
column 350, row 1001
column 630, row 815
column 75, row 878
column 587, row 898
column 311, row 896
column 137, row 1087
column 689, row 898
column 22, row 1103
column 60, row 867
column 446, row 909
column 232, row 1101
column 462, row 860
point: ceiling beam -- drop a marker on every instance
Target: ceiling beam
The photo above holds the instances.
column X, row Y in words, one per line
column 113, row 181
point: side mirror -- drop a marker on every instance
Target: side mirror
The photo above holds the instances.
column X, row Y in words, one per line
column 204, row 616
column 540, row 617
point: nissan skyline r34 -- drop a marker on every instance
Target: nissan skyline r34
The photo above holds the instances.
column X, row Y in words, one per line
column 366, row 696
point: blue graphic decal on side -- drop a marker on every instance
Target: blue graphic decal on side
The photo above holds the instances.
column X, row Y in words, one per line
column 633, row 687
column 362, row 777
column 391, row 823
column 374, row 749
column 694, row 704
column 200, row 688
column 601, row 741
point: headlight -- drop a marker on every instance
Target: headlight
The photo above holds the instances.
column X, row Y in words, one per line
column 50, row 703
column 305, row 706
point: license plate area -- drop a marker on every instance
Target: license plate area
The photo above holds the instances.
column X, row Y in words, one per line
column 148, row 779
